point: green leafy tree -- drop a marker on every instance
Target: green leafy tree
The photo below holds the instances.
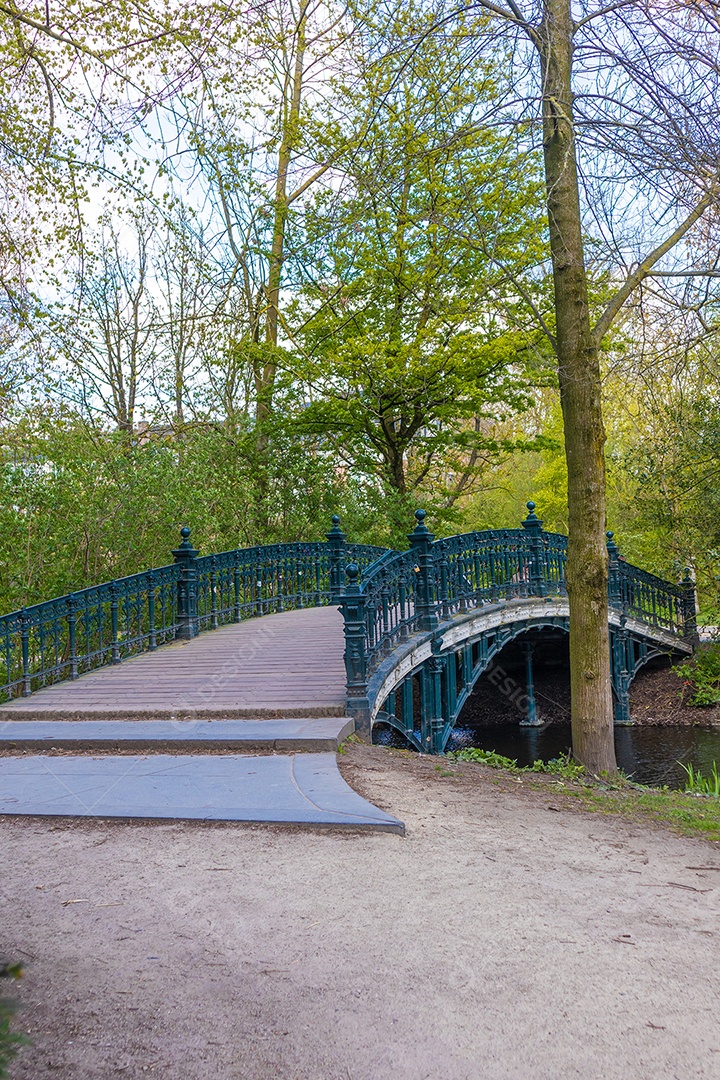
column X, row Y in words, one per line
column 608, row 93
column 405, row 342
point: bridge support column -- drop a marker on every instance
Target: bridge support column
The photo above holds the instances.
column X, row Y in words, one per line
column 421, row 545
column 352, row 605
column 358, row 709
column 185, row 555
column 690, row 630
column 620, row 644
column 531, row 716
column 336, row 539
column 408, row 705
column 467, row 665
column 614, row 583
column 432, row 719
column 449, row 686
column 533, row 526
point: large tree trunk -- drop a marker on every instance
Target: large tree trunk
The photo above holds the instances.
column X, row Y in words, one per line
column 580, row 390
column 265, row 370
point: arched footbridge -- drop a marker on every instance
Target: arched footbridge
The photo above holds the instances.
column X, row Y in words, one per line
column 416, row 629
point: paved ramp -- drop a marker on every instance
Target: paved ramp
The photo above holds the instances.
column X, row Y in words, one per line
column 286, row 665
column 275, row 684
column 290, row 789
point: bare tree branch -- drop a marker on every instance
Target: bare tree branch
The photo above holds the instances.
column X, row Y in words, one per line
column 642, row 270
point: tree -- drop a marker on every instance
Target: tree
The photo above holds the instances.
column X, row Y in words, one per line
column 246, row 133
column 78, row 80
column 403, row 323
column 107, row 332
column 625, row 97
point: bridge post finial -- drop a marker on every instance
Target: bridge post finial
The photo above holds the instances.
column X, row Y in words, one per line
column 185, row 555
column 336, row 539
column 537, row 578
column 421, row 541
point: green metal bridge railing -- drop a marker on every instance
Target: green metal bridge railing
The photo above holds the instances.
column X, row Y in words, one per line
column 414, row 591
column 400, row 594
column 70, row 635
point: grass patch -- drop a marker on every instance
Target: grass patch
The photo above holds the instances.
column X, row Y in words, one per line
column 10, row 1041
column 692, row 813
column 560, row 766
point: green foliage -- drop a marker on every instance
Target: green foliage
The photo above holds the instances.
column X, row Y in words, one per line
column 409, row 345
column 699, row 784
column 10, row 1041
column 80, row 505
column 561, row 766
column 702, row 673
column 485, row 757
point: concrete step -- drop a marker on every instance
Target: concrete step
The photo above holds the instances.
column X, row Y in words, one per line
column 289, row 734
column 288, row 789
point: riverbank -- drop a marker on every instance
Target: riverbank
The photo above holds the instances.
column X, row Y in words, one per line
column 659, row 696
column 685, row 814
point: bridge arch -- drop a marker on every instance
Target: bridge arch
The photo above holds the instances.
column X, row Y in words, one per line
column 459, row 670
column 404, row 696
column 425, row 624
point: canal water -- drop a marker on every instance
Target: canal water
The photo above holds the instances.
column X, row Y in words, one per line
column 648, row 754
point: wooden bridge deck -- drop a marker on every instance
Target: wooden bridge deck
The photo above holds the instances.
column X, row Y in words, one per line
column 289, row 664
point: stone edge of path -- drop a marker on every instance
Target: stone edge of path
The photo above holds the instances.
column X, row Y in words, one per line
column 28, row 714
column 302, row 734
column 325, row 800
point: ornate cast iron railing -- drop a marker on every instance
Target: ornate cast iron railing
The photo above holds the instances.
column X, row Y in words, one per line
column 401, row 593
column 641, row 595
column 65, row 637
column 406, row 592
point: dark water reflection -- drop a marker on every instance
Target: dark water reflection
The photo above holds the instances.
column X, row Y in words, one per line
column 648, row 754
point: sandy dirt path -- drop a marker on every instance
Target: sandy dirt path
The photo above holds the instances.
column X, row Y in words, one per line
column 501, row 938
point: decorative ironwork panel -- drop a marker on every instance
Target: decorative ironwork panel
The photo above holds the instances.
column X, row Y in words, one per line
column 70, row 635
column 650, row 599
column 388, row 589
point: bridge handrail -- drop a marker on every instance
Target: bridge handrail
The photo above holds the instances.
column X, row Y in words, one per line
column 69, row 635
column 496, row 564
column 64, row 637
column 411, row 591
column 268, row 578
column 647, row 597
column 388, row 589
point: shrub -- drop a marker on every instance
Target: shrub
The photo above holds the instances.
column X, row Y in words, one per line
column 702, row 672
